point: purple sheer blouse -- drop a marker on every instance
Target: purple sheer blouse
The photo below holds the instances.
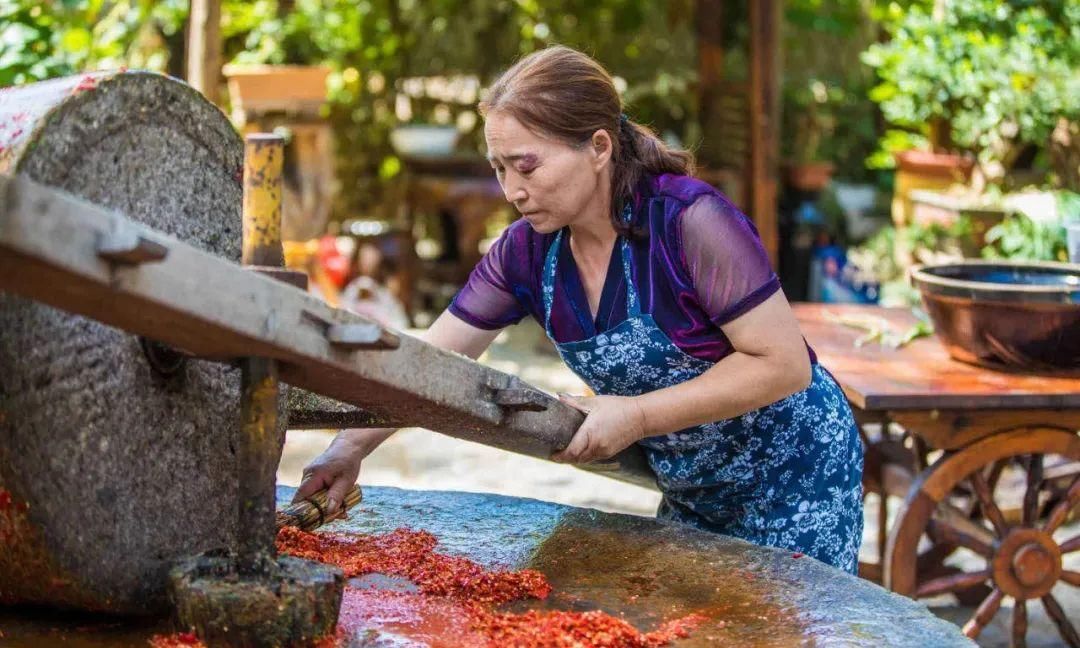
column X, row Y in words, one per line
column 700, row 266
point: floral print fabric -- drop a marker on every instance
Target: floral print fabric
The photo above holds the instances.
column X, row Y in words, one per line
column 787, row 475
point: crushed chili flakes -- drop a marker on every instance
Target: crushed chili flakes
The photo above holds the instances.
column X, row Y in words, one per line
column 560, row 629
column 456, row 593
column 178, row 640
column 411, row 554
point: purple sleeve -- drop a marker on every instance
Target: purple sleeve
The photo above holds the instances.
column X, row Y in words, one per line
column 726, row 261
column 487, row 299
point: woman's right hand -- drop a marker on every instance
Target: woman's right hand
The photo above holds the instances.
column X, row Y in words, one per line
column 336, row 469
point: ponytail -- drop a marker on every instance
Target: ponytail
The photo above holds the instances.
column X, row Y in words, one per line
column 640, row 153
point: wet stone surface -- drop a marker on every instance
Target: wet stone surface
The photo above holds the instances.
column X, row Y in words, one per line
column 637, row 568
column 649, row 572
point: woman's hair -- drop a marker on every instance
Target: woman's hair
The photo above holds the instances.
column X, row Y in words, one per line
column 562, row 93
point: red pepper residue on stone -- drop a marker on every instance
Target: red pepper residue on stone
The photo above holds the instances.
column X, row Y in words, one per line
column 12, row 518
column 86, row 83
column 456, row 599
column 178, row 640
column 411, row 554
column 559, row 629
column 434, row 621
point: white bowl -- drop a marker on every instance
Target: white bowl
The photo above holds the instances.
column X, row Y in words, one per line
column 424, row 139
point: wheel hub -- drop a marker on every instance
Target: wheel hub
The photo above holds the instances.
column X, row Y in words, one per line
column 1027, row 564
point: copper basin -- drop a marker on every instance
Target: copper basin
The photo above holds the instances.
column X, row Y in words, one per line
column 1019, row 316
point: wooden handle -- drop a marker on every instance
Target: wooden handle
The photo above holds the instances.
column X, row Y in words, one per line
column 311, row 514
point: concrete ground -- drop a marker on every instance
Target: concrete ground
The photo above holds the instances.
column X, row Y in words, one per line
column 419, row 459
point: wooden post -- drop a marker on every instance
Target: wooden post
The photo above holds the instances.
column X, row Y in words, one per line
column 258, row 451
column 264, row 156
column 204, row 48
column 709, row 20
column 765, row 19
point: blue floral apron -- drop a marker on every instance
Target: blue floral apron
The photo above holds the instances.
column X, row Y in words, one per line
column 787, row 475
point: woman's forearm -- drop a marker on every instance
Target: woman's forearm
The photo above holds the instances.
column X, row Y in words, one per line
column 363, row 440
column 733, row 386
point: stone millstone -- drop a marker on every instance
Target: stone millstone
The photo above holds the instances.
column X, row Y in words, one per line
column 109, row 471
column 295, row 605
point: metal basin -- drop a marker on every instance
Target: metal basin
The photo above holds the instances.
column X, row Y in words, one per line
column 1019, row 316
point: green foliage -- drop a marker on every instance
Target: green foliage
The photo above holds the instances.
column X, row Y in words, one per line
column 997, row 74
column 1019, row 237
column 826, row 115
column 41, row 40
column 373, row 46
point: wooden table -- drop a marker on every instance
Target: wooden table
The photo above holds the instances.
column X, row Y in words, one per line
column 985, row 460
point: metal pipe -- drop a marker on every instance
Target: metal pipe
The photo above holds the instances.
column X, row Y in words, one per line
column 264, row 156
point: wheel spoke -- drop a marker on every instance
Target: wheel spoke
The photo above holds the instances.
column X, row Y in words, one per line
column 1020, row 624
column 943, row 531
column 1062, row 472
column 987, row 609
column 970, row 534
column 1031, row 495
column 1071, row 577
column 952, row 583
column 1061, row 511
column 1068, row 632
column 986, row 501
column 1070, row 545
column 995, row 472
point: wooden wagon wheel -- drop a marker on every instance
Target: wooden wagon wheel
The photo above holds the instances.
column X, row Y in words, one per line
column 890, row 466
column 1023, row 557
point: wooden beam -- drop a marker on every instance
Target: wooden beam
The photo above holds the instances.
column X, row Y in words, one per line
column 211, row 308
column 204, row 48
column 765, row 17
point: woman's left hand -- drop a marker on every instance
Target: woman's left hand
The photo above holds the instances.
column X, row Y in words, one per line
column 612, row 424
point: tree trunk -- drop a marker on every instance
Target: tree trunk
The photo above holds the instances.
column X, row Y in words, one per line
column 204, row 48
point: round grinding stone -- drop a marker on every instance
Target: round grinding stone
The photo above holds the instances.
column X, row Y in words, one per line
column 296, row 605
column 109, row 469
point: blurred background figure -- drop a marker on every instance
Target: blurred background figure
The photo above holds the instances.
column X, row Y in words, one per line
column 374, row 292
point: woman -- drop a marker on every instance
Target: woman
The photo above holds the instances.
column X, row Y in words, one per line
column 658, row 293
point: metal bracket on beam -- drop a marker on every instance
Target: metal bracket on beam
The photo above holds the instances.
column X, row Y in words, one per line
column 354, row 336
column 517, row 399
column 127, row 247
column 361, row 337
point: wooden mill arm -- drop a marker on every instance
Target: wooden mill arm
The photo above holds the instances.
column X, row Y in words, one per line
column 71, row 254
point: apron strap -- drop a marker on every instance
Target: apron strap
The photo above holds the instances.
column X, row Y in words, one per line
column 633, row 304
column 547, row 279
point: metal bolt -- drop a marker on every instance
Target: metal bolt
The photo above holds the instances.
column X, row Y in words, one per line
column 130, row 248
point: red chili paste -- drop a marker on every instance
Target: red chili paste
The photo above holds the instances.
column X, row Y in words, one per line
column 455, row 603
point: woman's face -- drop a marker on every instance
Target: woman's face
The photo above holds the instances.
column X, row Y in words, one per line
column 551, row 183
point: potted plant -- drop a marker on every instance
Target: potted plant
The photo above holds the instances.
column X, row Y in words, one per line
column 810, row 121
column 262, row 88
column 969, row 89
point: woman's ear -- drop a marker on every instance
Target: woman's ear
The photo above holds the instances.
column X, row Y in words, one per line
column 602, row 149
